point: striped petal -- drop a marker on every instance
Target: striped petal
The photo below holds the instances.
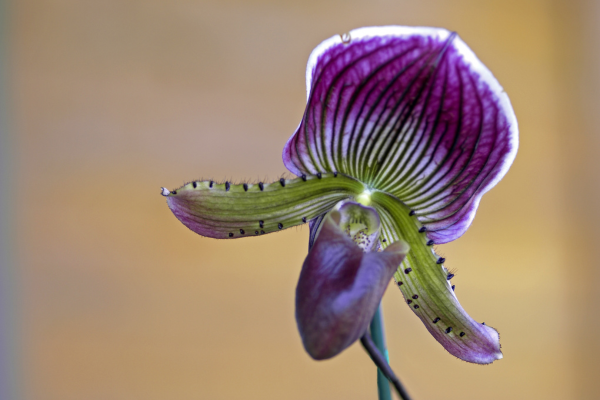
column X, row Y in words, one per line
column 425, row 284
column 409, row 111
column 341, row 286
column 223, row 210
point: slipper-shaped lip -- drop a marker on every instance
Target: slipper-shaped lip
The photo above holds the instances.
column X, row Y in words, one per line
column 341, row 286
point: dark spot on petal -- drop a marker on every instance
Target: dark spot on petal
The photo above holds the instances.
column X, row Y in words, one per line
column 245, row 187
column 173, row 191
column 261, row 223
column 435, row 321
column 461, row 334
column 440, row 260
column 335, row 174
column 483, row 323
column 227, row 186
column 415, row 296
column 422, row 229
column 411, row 213
column 449, row 329
column 261, row 186
column 282, row 181
column 450, row 276
column 416, row 306
column 230, row 234
column 280, row 225
column 256, row 232
column 407, row 270
column 453, row 286
column 400, row 283
column 210, row 185
column 430, row 243
column 384, row 240
column 194, row 184
column 262, row 232
column 242, row 231
column 408, row 301
column 304, row 177
column 319, row 175
column 304, row 219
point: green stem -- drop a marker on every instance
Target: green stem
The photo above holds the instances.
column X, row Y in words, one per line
column 378, row 335
column 367, row 341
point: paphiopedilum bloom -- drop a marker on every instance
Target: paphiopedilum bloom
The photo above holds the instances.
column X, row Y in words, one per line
column 404, row 131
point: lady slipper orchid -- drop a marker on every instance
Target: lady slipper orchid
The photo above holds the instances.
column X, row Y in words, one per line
column 403, row 132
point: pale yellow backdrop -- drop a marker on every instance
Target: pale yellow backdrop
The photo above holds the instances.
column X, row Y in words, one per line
column 117, row 300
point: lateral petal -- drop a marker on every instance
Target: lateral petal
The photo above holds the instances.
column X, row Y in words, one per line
column 425, row 284
column 225, row 211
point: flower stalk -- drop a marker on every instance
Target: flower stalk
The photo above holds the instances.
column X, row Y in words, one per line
column 378, row 335
column 385, row 374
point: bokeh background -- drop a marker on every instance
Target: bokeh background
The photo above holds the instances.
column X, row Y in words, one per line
column 105, row 295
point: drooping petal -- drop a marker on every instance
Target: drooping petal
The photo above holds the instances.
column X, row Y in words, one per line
column 426, row 287
column 225, row 211
column 340, row 287
column 410, row 111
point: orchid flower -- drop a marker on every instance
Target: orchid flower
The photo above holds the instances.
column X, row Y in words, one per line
column 404, row 131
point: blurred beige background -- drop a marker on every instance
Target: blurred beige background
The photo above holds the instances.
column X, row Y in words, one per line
column 115, row 299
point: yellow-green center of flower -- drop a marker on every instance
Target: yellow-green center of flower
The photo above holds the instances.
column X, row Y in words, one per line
column 364, row 198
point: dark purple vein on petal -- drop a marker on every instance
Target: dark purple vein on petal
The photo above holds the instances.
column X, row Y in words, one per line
column 354, row 144
column 364, row 82
column 336, row 139
column 332, row 86
column 436, row 229
column 419, row 189
column 429, row 221
column 433, row 67
column 352, row 147
column 297, row 159
column 407, row 108
column 369, row 141
column 317, row 167
column 394, row 165
column 403, row 179
column 433, row 179
column 398, row 186
column 432, row 198
column 410, row 187
column 394, row 170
